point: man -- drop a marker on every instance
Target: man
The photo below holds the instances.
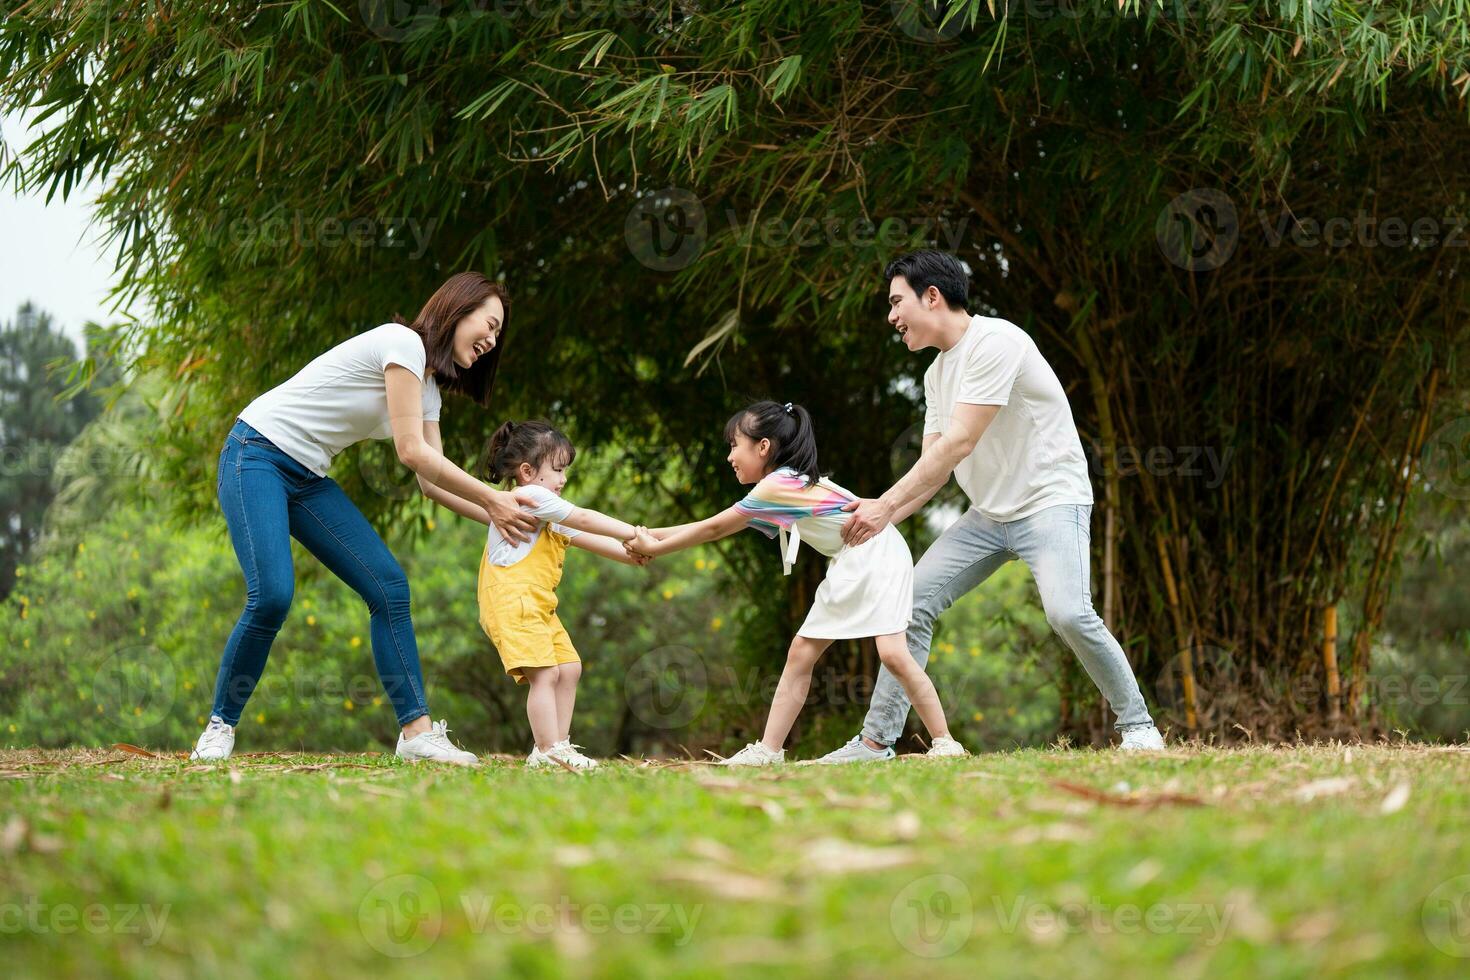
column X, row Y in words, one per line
column 1026, row 480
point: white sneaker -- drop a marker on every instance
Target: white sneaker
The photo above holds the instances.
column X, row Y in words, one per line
column 756, row 754
column 945, row 747
column 216, row 743
column 434, row 746
column 856, row 751
column 541, row 760
column 1142, row 740
column 567, row 752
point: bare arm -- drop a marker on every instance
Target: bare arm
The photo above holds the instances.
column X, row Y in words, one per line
column 924, row 479
column 914, row 506
column 662, row 532
column 456, row 503
column 411, row 440
column 722, row 525
column 596, row 522
column 601, row 544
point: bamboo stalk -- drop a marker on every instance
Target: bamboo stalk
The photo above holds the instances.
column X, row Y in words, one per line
column 1329, row 661
column 1186, row 655
column 1375, row 595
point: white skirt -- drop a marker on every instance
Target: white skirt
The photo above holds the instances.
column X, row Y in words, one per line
column 868, row 591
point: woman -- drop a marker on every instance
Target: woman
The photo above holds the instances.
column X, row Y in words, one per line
column 273, row 486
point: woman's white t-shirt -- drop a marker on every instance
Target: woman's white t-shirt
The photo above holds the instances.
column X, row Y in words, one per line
column 341, row 398
column 1030, row 457
column 549, row 507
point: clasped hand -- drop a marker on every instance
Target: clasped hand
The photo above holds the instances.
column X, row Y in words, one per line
column 639, row 546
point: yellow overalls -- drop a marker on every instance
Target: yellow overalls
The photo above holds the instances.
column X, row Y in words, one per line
column 518, row 606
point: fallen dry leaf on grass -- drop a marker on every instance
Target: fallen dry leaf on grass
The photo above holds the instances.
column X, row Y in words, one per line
column 1050, row 832
column 17, row 832
column 1136, row 798
column 833, row 798
column 324, row 765
column 1318, row 788
column 770, row 808
column 1312, row 928
column 906, row 825
column 710, row 781
column 1395, row 800
column 734, row 885
column 12, row 834
column 1246, row 918
column 133, row 750
column 832, row 855
column 573, row 855
column 712, row 850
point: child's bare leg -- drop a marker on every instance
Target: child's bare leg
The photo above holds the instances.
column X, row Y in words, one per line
column 566, row 697
column 796, row 681
column 893, row 650
column 541, row 704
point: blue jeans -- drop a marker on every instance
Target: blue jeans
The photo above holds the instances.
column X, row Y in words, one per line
column 268, row 498
column 1054, row 544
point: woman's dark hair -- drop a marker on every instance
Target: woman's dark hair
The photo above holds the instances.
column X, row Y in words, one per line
column 534, row 443
column 926, row 268
column 788, row 426
column 460, row 296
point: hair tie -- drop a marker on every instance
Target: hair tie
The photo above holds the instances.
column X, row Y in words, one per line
column 788, row 408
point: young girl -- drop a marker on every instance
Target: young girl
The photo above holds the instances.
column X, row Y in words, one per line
column 517, row 586
column 868, row 590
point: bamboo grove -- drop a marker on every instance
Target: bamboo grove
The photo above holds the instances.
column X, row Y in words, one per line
column 1234, row 228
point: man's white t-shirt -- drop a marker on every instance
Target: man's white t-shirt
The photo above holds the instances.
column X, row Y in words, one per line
column 549, row 507
column 1030, row 456
column 341, row 398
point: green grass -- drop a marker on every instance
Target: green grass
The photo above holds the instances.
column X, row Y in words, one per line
column 1228, row 862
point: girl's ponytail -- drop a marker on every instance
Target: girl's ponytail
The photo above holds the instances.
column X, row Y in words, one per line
column 800, row 453
column 496, row 465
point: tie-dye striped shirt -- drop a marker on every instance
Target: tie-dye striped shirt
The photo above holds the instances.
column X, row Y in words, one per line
column 783, row 498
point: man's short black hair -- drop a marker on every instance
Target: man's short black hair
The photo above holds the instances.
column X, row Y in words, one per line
column 928, row 267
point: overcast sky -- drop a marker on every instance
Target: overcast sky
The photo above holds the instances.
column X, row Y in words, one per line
column 48, row 254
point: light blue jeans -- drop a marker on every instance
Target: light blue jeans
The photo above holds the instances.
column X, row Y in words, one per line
column 1054, row 544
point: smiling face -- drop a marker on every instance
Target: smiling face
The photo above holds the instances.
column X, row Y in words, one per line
column 478, row 332
column 552, row 474
column 749, row 458
column 916, row 317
